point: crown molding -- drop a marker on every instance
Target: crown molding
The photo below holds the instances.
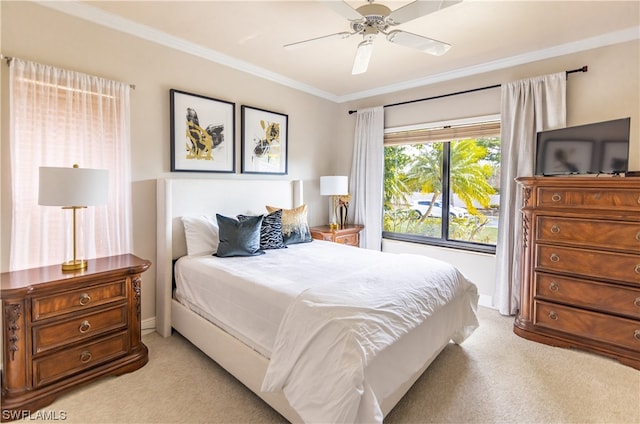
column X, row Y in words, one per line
column 97, row 16
column 87, row 12
column 616, row 37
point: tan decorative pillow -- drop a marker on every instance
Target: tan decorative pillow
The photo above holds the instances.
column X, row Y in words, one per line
column 295, row 228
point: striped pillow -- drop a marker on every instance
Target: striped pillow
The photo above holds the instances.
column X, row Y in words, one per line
column 270, row 231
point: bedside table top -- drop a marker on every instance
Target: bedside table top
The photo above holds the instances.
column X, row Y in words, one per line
column 347, row 228
column 29, row 279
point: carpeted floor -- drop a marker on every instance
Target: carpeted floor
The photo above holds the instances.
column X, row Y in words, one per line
column 493, row 377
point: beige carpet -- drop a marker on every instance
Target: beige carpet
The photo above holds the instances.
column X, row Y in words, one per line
column 493, row 377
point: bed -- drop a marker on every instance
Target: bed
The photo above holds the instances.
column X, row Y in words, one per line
column 274, row 356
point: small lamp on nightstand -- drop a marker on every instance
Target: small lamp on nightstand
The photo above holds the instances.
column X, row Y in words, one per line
column 333, row 186
column 73, row 188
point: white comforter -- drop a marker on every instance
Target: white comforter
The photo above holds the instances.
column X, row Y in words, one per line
column 331, row 332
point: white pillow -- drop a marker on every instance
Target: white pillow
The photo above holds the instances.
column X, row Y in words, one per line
column 201, row 233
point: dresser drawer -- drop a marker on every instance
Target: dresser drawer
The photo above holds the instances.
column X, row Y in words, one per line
column 350, row 239
column 63, row 303
column 591, row 263
column 587, row 198
column 597, row 233
column 591, row 325
column 618, row 300
column 63, row 364
column 50, row 336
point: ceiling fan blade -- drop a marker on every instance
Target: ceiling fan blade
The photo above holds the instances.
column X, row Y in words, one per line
column 418, row 9
column 363, row 55
column 298, row 44
column 342, row 9
column 415, row 41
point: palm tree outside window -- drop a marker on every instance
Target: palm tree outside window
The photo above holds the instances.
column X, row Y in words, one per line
column 441, row 184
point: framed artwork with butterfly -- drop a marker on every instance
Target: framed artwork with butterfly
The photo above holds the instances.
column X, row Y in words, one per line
column 264, row 142
column 202, row 133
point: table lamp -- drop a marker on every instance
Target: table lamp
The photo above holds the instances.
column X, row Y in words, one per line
column 333, row 186
column 73, row 188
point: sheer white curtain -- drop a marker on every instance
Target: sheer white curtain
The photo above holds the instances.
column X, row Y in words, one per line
column 60, row 118
column 528, row 106
column 367, row 175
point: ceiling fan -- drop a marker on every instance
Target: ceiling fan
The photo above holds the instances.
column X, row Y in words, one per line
column 375, row 18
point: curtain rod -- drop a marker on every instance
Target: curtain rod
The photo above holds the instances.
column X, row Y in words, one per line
column 583, row 69
column 9, row 59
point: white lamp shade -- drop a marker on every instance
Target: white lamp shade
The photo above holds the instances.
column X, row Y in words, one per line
column 334, row 185
column 73, row 186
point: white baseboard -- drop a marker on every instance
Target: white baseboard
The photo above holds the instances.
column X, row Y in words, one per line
column 486, row 301
column 148, row 325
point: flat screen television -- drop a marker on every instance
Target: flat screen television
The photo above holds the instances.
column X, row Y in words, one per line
column 598, row 148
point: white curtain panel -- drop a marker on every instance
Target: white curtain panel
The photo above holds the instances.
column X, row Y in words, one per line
column 528, row 106
column 61, row 118
column 367, row 174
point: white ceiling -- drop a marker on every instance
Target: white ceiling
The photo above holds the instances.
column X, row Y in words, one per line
column 249, row 35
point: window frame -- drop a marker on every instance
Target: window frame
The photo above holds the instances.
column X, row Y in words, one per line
column 443, row 240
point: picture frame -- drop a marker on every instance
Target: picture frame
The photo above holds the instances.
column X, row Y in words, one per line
column 202, row 133
column 264, row 141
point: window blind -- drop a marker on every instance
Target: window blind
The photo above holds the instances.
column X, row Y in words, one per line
column 446, row 133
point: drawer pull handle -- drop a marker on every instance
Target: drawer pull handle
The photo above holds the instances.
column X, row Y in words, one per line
column 556, row 197
column 553, row 315
column 554, row 286
column 637, row 301
column 555, row 229
column 638, row 269
column 85, row 326
column 636, row 334
column 555, row 258
column 85, row 356
column 85, row 299
column 638, row 236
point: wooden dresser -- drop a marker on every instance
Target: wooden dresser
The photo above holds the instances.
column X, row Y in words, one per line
column 63, row 329
column 349, row 235
column 581, row 278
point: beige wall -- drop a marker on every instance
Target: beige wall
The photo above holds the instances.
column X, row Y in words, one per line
column 40, row 34
column 320, row 132
column 609, row 90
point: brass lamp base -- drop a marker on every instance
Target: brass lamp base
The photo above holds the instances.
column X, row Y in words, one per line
column 334, row 226
column 74, row 265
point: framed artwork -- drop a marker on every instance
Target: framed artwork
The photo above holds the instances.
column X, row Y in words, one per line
column 264, row 141
column 202, row 133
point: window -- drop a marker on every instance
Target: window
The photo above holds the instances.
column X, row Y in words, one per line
column 441, row 184
column 61, row 118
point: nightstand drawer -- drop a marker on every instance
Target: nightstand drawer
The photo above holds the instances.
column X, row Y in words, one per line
column 589, row 325
column 349, row 239
column 63, row 303
column 50, row 336
column 63, row 364
column 590, row 263
column 615, row 299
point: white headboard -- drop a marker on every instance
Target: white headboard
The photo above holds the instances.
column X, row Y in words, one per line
column 180, row 197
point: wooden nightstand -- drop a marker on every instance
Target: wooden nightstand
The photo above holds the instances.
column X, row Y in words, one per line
column 349, row 235
column 64, row 329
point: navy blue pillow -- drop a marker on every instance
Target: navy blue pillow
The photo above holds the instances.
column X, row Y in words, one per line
column 271, row 230
column 239, row 238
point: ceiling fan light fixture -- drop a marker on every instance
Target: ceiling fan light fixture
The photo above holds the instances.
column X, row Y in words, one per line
column 363, row 55
column 414, row 41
